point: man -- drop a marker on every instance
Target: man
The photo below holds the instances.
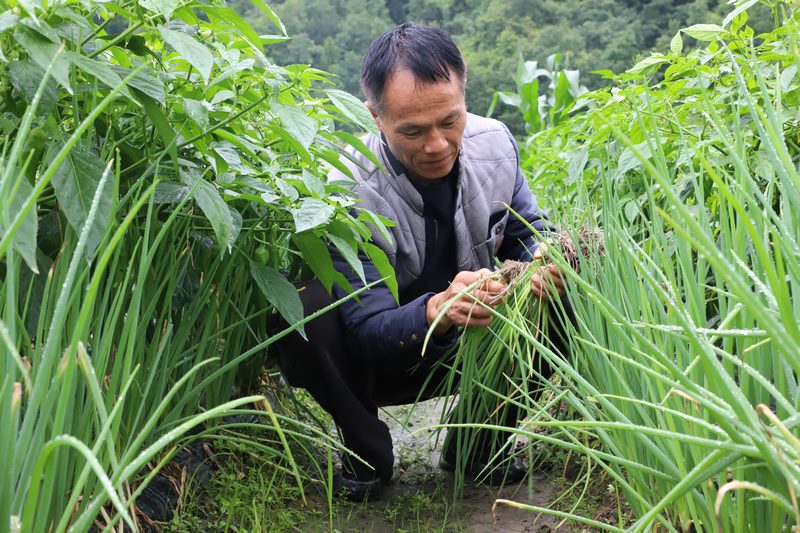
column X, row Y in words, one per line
column 447, row 180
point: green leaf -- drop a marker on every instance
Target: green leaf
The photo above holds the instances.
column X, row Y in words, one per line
column 138, row 45
column 270, row 15
column 359, row 145
column 162, row 125
column 604, row 73
column 197, row 111
column 385, row 268
column 164, row 7
column 236, row 226
column 214, row 208
column 563, row 92
column 378, row 223
column 254, row 183
column 350, row 254
column 631, row 210
column 273, row 39
column 508, row 98
column 311, row 213
column 228, row 152
column 42, row 51
column 334, row 159
column 43, row 29
column 75, row 183
column 24, row 241
column 279, row 292
column 221, row 96
column 30, row 7
column 244, row 29
column 144, row 82
column 313, row 183
column 191, row 50
column 169, row 192
column 316, row 254
column 293, row 143
column 25, row 76
column 297, row 123
column 528, row 71
column 242, row 143
column 741, row 8
column 577, row 163
column 104, row 73
column 676, row 44
column 529, row 95
column 354, row 109
column 286, row 189
column 629, row 161
column 8, row 20
column 648, row 64
column 704, row 32
column 788, row 77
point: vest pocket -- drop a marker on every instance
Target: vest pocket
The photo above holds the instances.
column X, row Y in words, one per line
column 497, row 223
column 486, row 251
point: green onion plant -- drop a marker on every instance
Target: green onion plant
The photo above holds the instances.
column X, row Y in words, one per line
column 683, row 366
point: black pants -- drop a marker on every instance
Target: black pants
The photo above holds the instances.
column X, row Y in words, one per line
column 351, row 386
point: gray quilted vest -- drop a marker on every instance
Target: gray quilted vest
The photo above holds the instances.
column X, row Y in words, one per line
column 488, row 167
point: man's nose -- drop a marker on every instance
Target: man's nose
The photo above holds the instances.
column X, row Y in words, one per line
column 436, row 142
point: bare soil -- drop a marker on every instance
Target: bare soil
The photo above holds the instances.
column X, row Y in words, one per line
column 421, row 496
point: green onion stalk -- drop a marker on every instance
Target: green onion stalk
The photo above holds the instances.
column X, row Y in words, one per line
column 498, row 371
column 685, row 356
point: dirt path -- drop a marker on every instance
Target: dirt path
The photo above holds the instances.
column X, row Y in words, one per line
column 421, row 499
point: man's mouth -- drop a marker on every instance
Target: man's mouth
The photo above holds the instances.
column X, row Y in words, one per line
column 437, row 162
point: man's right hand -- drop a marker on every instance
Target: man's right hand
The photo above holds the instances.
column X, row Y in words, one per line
column 465, row 310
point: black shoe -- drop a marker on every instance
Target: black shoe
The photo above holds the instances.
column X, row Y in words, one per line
column 508, row 472
column 358, row 490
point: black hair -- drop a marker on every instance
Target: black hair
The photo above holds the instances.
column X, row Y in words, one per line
column 429, row 53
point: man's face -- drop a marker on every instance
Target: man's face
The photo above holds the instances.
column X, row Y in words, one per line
column 423, row 123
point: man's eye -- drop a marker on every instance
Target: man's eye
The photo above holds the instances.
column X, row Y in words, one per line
column 411, row 134
column 449, row 125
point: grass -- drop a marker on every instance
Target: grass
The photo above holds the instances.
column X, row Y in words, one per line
column 420, row 501
column 248, row 493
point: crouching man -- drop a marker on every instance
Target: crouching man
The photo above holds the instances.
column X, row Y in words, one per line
column 447, row 180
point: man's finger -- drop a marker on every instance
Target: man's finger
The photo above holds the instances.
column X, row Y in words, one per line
column 536, row 285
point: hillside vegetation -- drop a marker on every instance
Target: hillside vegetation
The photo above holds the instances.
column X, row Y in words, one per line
column 592, row 34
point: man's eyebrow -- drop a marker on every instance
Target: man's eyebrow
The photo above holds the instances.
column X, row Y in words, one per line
column 452, row 116
column 409, row 127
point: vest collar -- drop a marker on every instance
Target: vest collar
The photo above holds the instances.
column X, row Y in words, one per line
column 397, row 166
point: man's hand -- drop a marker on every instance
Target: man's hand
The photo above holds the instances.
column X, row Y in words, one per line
column 465, row 310
column 550, row 281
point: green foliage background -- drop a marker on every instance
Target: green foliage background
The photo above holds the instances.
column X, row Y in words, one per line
column 592, row 34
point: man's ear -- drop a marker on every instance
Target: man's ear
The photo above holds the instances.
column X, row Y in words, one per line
column 375, row 116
